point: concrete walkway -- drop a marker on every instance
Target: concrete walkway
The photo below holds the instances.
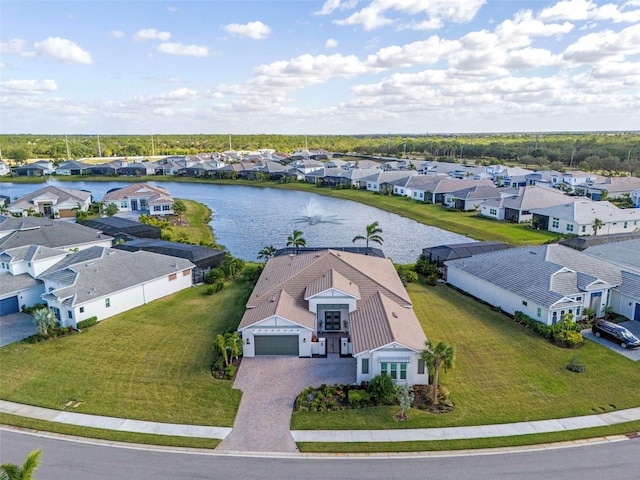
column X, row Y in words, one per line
column 451, row 433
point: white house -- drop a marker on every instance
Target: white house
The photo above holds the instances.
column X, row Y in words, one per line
column 4, row 169
column 104, row 282
column 141, row 197
column 543, row 282
column 573, row 179
column 517, row 208
column 52, row 201
column 302, row 303
column 579, row 217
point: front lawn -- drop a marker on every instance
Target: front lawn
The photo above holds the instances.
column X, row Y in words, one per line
column 150, row 363
column 504, row 373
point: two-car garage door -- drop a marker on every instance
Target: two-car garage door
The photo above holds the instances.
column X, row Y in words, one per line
column 9, row 305
column 276, row 345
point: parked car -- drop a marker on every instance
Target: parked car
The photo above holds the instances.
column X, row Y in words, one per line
column 615, row 333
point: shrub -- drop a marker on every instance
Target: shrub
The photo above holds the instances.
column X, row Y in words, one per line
column 359, row 398
column 37, row 306
column 210, row 290
column 87, row 323
column 213, row 275
column 407, row 275
column 576, row 366
column 230, row 372
column 382, row 389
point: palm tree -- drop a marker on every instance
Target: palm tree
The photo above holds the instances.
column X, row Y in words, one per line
column 597, row 225
column 373, row 235
column 221, row 344
column 44, row 320
column 267, row 252
column 296, row 240
column 9, row 471
column 442, row 356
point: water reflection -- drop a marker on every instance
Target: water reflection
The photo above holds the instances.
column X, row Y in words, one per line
column 246, row 219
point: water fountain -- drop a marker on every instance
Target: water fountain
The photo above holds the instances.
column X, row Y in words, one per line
column 312, row 214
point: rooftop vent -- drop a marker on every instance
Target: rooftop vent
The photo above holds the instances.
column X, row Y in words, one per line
column 394, row 315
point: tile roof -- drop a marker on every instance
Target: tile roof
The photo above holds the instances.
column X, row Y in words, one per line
column 332, row 279
column 30, row 253
column 531, row 272
column 381, row 321
column 283, row 305
column 630, row 285
column 99, row 271
column 14, row 283
column 583, row 212
column 46, row 232
column 625, row 253
column 138, row 190
column 60, row 194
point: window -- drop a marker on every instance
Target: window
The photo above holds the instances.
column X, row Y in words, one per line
column 421, row 367
column 493, row 211
column 70, row 314
column 524, row 302
column 143, row 202
column 166, row 208
column 403, row 371
column 107, row 302
column 29, row 263
column 124, row 204
column 625, row 224
column 81, row 309
column 569, row 227
column 186, row 272
column 157, row 208
column 578, row 312
column 539, row 312
column 172, row 277
column 584, row 228
column 555, row 223
column 365, row 365
column 396, row 370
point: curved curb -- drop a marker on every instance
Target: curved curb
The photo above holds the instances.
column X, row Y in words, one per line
column 318, row 456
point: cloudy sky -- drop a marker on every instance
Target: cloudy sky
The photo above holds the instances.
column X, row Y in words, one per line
column 319, row 67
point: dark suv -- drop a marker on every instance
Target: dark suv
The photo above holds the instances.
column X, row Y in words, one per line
column 615, row 333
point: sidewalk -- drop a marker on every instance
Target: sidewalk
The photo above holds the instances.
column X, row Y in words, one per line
column 400, row 435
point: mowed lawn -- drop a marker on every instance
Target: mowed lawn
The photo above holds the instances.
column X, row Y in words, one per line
column 503, row 372
column 151, row 363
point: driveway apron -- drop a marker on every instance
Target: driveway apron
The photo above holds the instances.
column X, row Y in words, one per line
column 269, row 387
column 15, row 327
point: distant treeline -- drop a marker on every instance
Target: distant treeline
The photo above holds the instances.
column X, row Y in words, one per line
column 612, row 152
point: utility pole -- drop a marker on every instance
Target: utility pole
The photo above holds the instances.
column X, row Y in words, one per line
column 66, row 141
column 153, row 148
column 230, row 147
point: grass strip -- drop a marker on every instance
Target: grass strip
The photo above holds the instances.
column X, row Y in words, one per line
column 102, row 434
column 471, row 444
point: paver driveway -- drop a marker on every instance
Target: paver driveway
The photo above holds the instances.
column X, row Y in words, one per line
column 270, row 385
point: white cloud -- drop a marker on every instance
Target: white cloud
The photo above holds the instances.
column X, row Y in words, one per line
column 330, row 6
column 256, row 30
column 431, row 24
column 424, row 52
column 185, row 50
column 117, row 34
column 373, row 15
column 581, row 10
column 528, row 58
column 607, row 44
column 520, row 31
column 29, row 86
column 151, row 34
column 63, row 50
column 15, row 45
column 331, row 43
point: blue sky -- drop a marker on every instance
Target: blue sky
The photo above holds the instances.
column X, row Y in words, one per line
column 319, row 67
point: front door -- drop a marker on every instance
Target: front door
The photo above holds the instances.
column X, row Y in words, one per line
column 596, row 299
column 636, row 315
column 332, row 320
column 134, row 204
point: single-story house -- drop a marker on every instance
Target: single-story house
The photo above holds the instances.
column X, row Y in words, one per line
column 517, row 208
column 104, row 282
column 137, row 169
column 141, row 197
column 302, row 299
column 579, row 217
column 615, row 187
column 35, row 169
column 434, row 191
column 72, row 167
column 582, row 243
column 52, row 201
column 543, row 282
column 18, row 232
column 4, row 169
column 472, row 197
column 104, row 169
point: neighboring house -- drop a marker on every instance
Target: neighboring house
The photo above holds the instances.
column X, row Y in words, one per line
column 517, row 207
column 307, row 165
column 434, row 188
column 635, row 198
column 141, row 197
column 579, row 217
column 52, row 201
column 543, row 282
column 615, row 187
column 72, row 167
column 104, row 169
column 471, row 198
column 4, row 169
column 19, row 232
column 123, row 228
column 582, row 243
column 137, row 169
column 573, row 179
column 382, row 181
column 359, row 299
column 95, row 282
column 625, row 299
column 36, row 169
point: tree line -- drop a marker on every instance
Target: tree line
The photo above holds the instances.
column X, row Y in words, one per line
column 613, row 152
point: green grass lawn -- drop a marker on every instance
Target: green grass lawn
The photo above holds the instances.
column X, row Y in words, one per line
column 150, row 363
column 503, row 373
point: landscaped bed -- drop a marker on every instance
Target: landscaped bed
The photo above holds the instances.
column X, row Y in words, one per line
column 151, row 363
column 503, row 373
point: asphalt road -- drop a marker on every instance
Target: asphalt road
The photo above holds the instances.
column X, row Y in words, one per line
column 70, row 460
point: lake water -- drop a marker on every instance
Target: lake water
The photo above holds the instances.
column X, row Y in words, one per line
column 245, row 219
